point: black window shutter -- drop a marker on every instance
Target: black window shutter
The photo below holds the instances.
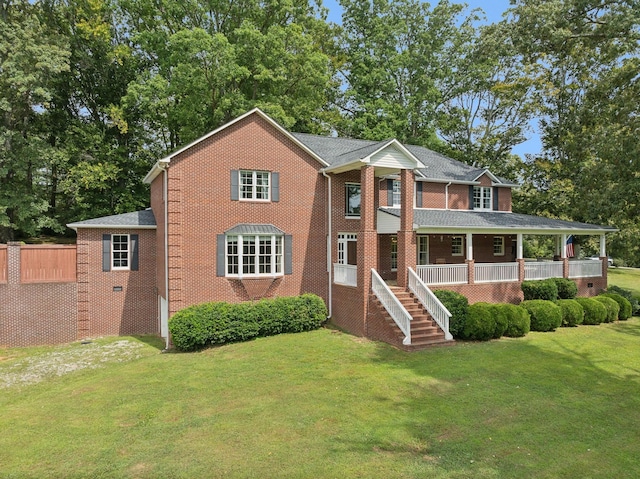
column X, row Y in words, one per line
column 275, row 186
column 389, row 192
column 220, row 254
column 418, row 194
column 133, row 241
column 288, row 255
column 235, row 194
column 496, row 205
column 470, row 197
column 106, row 252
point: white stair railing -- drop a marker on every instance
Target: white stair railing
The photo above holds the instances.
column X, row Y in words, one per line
column 430, row 302
column 393, row 306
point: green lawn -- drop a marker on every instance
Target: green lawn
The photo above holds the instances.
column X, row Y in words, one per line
column 327, row 405
column 628, row 278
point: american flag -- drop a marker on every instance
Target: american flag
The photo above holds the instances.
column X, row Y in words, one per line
column 570, row 246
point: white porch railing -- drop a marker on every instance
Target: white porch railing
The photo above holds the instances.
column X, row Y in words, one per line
column 393, row 306
column 346, row 274
column 543, row 270
column 431, row 303
column 585, row 269
column 443, row 273
column 496, row 272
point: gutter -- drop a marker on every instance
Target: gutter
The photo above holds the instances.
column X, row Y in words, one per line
column 329, row 245
column 446, row 195
column 165, row 181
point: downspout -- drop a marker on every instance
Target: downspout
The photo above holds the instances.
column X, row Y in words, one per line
column 329, row 246
column 165, row 189
column 446, row 195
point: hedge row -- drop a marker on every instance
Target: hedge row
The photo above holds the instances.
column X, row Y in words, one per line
column 550, row 289
column 207, row 324
column 484, row 321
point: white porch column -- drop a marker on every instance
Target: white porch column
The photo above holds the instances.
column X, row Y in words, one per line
column 603, row 246
column 563, row 246
column 469, row 246
column 519, row 239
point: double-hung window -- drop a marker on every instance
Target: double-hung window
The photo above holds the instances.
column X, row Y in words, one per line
column 482, row 198
column 457, row 246
column 254, row 185
column 394, row 253
column 254, row 255
column 352, row 200
column 498, row 245
column 396, row 194
column 120, row 252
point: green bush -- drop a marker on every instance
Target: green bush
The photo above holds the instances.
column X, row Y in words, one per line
column 625, row 305
column 567, row 289
column 612, row 308
column 480, row 324
column 628, row 295
column 458, row 306
column 206, row 324
column 572, row 312
column 540, row 289
column 545, row 315
column 594, row 312
column 501, row 317
column 519, row 321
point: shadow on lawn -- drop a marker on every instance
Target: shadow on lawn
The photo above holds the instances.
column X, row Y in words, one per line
column 506, row 408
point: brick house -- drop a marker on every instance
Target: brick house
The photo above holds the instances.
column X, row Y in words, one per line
column 251, row 210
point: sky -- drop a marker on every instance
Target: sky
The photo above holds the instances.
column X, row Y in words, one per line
column 493, row 10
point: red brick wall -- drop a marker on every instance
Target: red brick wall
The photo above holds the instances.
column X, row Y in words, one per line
column 433, row 195
column 384, row 258
column 459, row 197
column 504, row 199
column 103, row 311
column 35, row 314
column 482, row 249
column 490, row 293
column 348, row 313
column 200, row 208
column 157, row 206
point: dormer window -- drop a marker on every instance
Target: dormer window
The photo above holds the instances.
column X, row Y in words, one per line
column 482, row 198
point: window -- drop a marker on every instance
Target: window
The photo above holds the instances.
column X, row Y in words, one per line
column 348, row 248
column 254, row 255
column 352, row 196
column 498, row 245
column 254, row 185
column 423, row 249
column 119, row 252
column 482, row 199
column 457, row 246
column 396, row 193
column 394, row 253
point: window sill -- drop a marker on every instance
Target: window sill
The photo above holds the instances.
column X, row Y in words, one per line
column 351, row 217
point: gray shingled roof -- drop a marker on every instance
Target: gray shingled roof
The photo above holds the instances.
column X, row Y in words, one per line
column 487, row 220
column 338, row 151
column 254, row 229
column 138, row 219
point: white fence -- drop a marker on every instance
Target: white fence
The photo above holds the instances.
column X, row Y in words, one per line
column 496, row 272
column 346, row 274
column 585, row 269
column 543, row 270
column 443, row 274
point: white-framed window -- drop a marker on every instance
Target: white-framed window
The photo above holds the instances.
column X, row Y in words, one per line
column 396, row 193
column 498, row 245
column 423, row 249
column 457, row 246
column 394, row 253
column 120, row 252
column 254, row 255
column 482, row 198
column 352, row 200
column 348, row 248
column 254, row 185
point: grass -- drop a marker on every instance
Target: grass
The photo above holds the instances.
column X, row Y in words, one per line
column 325, row 404
column 628, row 278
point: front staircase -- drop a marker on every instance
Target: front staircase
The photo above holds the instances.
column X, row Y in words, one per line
column 424, row 330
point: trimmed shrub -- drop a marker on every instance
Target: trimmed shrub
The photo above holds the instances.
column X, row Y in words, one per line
column 540, row 289
column 545, row 315
column 625, row 305
column 480, row 324
column 458, row 306
column 594, row 312
column 501, row 317
column 519, row 321
column 628, row 295
column 572, row 312
column 612, row 308
column 206, row 324
column 567, row 289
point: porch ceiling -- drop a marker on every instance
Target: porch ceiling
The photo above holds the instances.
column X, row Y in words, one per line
column 463, row 221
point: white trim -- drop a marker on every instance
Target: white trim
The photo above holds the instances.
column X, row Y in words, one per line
column 502, row 246
column 75, row 226
column 276, row 260
column 128, row 251
column 155, row 170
